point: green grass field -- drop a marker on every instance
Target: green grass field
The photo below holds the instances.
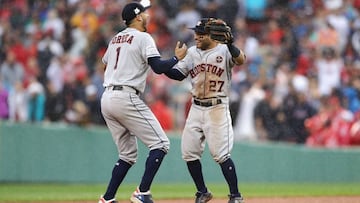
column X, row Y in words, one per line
column 17, row 192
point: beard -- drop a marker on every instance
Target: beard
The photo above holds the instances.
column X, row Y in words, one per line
column 144, row 24
column 204, row 45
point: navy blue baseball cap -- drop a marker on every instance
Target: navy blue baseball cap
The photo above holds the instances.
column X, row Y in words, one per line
column 200, row 26
column 131, row 10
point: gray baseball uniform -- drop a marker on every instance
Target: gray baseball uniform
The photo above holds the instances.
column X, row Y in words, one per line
column 124, row 111
column 209, row 116
column 128, row 58
column 208, row 65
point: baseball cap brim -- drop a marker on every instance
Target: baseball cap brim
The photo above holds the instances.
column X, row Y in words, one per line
column 199, row 29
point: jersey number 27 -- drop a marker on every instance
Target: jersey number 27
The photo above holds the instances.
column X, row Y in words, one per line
column 216, row 86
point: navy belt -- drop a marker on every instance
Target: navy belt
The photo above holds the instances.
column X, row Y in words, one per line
column 127, row 88
column 208, row 103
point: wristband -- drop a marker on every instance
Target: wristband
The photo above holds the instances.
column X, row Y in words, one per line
column 234, row 51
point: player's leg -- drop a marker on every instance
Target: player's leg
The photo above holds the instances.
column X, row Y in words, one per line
column 143, row 123
column 117, row 176
column 142, row 194
column 195, row 170
column 152, row 165
column 126, row 144
column 145, row 126
column 229, row 171
column 127, row 148
column 192, row 146
column 219, row 135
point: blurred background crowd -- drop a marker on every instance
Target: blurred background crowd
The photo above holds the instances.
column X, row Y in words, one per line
column 301, row 82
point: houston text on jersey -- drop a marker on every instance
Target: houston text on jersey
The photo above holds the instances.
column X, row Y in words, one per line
column 206, row 67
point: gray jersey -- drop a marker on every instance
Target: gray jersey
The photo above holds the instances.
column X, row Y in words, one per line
column 209, row 71
column 124, row 111
column 124, row 67
column 210, row 74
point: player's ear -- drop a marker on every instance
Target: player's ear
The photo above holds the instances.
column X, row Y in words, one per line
column 139, row 17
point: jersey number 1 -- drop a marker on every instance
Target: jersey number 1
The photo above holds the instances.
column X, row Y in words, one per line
column 117, row 56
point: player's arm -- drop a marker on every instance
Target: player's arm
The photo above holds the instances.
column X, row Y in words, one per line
column 175, row 74
column 159, row 66
column 238, row 56
column 221, row 32
column 162, row 66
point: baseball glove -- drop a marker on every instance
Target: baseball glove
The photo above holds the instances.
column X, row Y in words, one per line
column 219, row 31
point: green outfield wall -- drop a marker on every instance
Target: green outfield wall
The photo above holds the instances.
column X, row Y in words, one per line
column 62, row 153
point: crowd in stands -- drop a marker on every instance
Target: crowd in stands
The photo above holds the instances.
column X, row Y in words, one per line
column 301, row 82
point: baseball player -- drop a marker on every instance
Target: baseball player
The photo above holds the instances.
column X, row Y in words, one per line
column 208, row 64
column 127, row 59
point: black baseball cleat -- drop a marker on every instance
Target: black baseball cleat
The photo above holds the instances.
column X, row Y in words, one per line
column 203, row 197
column 236, row 199
column 141, row 197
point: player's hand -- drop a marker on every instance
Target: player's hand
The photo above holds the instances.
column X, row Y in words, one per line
column 180, row 50
column 219, row 31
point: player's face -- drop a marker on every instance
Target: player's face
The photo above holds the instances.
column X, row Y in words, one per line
column 202, row 41
column 144, row 16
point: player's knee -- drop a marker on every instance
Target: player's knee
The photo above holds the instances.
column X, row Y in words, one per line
column 157, row 153
column 221, row 158
column 190, row 157
column 163, row 146
column 129, row 158
column 166, row 147
column 124, row 163
column 189, row 154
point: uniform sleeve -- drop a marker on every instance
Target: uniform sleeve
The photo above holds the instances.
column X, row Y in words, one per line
column 105, row 57
column 150, row 49
column 161, row 66
column 186, row 64
column 175, row 74
column 183, row 67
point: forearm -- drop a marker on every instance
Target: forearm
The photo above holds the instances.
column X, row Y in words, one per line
column 162, row 66
column 175, row 74
column 238, row 55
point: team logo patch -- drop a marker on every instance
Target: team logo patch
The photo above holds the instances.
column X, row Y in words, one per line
column 136, row 11
column 219, row 59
